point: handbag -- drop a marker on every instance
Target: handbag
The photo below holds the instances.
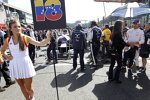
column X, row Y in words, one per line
column 143, row 51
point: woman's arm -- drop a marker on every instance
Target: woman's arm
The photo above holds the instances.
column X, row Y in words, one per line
column 41, row 43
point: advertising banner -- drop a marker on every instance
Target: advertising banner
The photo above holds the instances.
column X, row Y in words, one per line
column 48, row 14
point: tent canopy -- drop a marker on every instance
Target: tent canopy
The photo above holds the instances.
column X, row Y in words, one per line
column 119, row 1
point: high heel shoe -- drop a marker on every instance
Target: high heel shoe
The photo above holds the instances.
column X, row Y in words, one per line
column 33, row 98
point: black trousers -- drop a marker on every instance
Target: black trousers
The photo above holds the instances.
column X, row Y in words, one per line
column 53, row 48
column 32, row 52
column 114, row 58
column 105, row 48
column 95, row 50
column 129, row 55
column 4, row 71
column 75, row 56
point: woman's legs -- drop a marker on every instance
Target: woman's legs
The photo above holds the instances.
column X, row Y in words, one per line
column 144, row 62
column 23, row 88
column 110, row 76
column 119, row 65
column 28, row 85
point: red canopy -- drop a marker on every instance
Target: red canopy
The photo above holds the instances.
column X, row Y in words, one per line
column 119, row 1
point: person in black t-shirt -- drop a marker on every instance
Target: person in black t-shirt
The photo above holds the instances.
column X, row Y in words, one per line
column 145, row 48
column 52, row 46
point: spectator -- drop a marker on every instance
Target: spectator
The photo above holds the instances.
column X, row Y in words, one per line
column 94, row 36
column 145, row 48
column 106, row 33
column 4, row 66
column 52, row 46
column 116, row 51
column 29, row 31
column 135, row 37
column 78, row 41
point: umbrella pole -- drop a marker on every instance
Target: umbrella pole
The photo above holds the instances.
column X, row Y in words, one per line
column 55, row 78
column 104, row 9
column 147, row 18
column 130, row 17
column 103, row 20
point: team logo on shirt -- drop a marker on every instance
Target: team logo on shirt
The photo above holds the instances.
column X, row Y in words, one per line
column 77, row 37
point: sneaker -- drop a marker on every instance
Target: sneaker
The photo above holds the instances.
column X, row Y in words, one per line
column 110, row 80
column 2, row 89
column 33, row 98
column 82, row 69
column 9, row 84
column 137, row 67
column 74, row 68
column 143, row 69
column 33, row 61
column 94, row 67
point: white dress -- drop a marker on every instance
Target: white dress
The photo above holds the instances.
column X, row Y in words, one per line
column 20, row 66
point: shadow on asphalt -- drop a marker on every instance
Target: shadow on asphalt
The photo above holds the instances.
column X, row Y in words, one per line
column 39, row 67
column 65, row 62
column 82, row 80
column 72, row 78
column 135, row 88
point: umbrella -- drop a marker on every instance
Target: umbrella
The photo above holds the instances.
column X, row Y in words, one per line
column 131, row 10
column 119, row 1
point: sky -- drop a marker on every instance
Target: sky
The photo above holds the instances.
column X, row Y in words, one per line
column 77, row 9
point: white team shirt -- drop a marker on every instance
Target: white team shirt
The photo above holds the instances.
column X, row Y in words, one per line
column 135, row 35
column 90, row 34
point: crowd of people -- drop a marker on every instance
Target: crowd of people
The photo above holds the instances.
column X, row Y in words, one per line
column 119, row 43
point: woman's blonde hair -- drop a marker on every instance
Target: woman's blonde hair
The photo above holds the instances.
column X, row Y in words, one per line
column 20, row 40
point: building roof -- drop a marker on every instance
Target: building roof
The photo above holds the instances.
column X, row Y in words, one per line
column 11, row 6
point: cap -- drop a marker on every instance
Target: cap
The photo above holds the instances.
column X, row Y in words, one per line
column 136, row 21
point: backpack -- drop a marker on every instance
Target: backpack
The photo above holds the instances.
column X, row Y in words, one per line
column 24, row 40
column 78, row 40
column 96, row 35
